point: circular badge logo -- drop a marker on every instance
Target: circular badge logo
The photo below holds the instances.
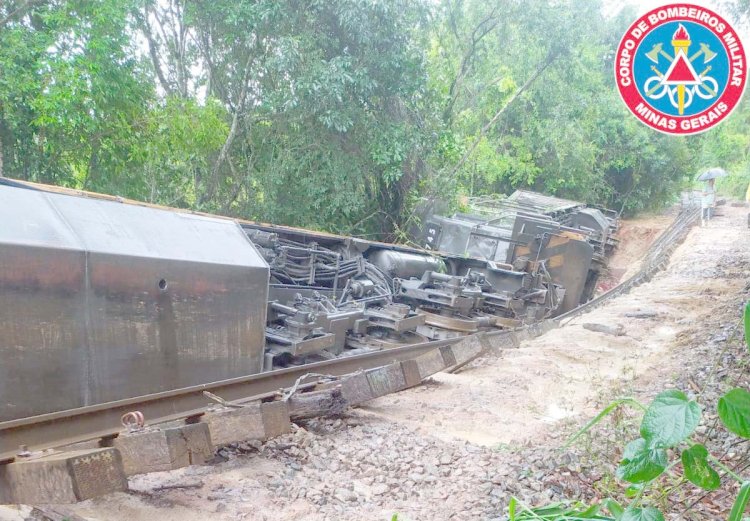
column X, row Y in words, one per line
column 681, row 69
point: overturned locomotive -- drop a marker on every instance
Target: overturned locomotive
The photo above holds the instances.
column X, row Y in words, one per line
column 329, row 293
column 103, row 299
column 568, row 239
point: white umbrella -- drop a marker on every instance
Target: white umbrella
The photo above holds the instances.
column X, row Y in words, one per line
column 712, row 173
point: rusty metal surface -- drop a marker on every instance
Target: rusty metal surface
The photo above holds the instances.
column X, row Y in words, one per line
column 466, row 325
column 101, row 301
column 66, row 427
column 567, row 256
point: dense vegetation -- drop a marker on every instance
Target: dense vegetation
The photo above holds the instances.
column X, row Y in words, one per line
column 338, row 115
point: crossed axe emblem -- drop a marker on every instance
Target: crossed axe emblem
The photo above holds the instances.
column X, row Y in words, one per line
column 680, row 95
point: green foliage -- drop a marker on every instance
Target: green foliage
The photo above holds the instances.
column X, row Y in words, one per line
column 576, row 511
column 569, row 133
column 614, row 508
column 734, row 411
column 609, row 409
column 642, row 514
column 728, row 146
column 641, row 462
column 178, row 138
column 298, row 113
column 670, row 419
column 71, row 92
column 697, row 469
column 335, row 115
column 740, row 504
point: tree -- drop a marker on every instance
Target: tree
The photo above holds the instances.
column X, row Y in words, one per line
column 333, row 115
column 71, row 92
column 322, row 100
column 536, row 106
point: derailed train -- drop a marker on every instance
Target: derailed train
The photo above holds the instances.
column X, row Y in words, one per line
column 571, row 240
column 102, row 300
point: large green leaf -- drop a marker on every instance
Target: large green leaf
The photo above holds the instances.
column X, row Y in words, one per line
column 642, row 514
column 670, row 419
column 740, row 504
column 734, row 411
column 697, row 469
column 641, row 462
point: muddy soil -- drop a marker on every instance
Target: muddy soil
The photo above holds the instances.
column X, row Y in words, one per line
column 462, row 445
column 636, row 236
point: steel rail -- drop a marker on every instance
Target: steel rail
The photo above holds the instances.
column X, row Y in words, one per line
column 103, row 420
column 61, row 428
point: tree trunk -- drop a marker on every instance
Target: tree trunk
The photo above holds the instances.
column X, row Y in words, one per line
column 483, row 28
column 92, row 168
column 153, row 49
column 233, row 129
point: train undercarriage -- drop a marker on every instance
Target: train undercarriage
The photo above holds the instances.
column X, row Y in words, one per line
column 109, row 299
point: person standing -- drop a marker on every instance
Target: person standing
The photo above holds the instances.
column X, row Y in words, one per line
column 708, row 198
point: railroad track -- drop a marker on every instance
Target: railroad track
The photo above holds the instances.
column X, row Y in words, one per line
column 103, row 420
column 63, row 428
column 655, row 260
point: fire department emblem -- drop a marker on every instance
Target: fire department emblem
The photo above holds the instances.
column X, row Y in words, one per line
column 681, row 69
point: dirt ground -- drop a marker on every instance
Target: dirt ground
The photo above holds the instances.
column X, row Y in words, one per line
column 460, row 446
column 636, row 236
column 530, row 390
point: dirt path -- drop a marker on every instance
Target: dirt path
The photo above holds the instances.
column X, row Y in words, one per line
column 459, row 447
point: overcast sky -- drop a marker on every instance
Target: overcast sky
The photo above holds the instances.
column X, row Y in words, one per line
column 613, row 6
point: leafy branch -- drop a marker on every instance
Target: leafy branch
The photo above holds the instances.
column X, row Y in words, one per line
column 19, row 11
